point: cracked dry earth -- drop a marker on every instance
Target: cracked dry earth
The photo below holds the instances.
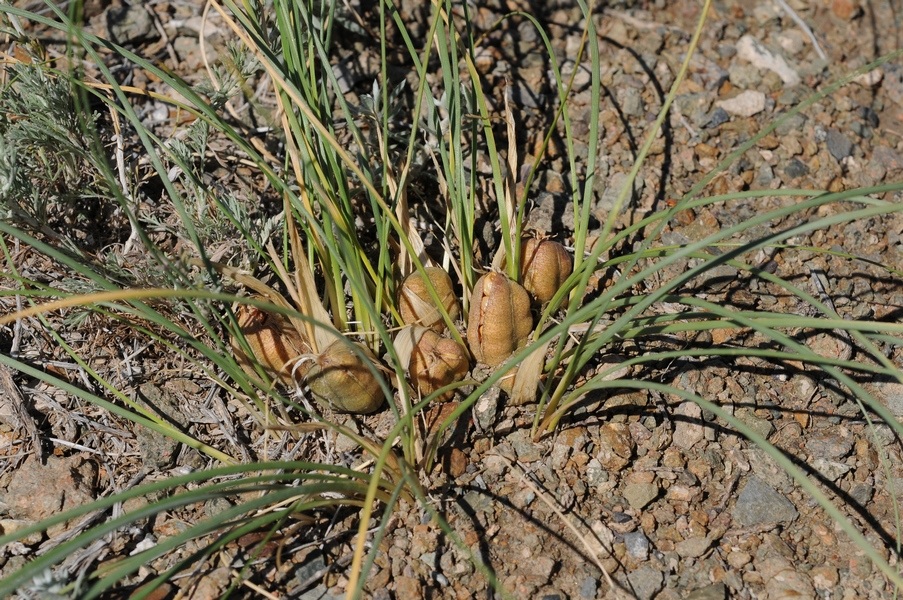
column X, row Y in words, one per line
column 635, row 494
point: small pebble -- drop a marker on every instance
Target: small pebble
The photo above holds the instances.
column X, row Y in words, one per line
column 639, row 495
column 693, row 547
column 830, row 469
column 759, row 503
column 688, row 429
column 717, row 118
column 751, row 50
column 716, row 591
column 794, row 168
column 637, row 545
column 588, row 587
column 839, row 145
column 744, row 104
column 646, row 582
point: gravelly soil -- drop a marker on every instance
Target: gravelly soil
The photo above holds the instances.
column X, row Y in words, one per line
column 635, row 494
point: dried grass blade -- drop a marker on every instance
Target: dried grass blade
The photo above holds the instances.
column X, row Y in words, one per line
column 305, row 296
column 510, row 246
column 528, row 375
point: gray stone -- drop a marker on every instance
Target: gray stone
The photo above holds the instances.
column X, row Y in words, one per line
column 861, row 493
column 745, row 77
column 129, row 23
column 717, row 118
column 310, row 569
column 631, row 101
column 759, row 503
column 839, row 145
column 709, row 73
column 795, row 168
column 527, row 450
column 893, row 83
column 479, row 502
column 888, row 159
column 637, row 545
column 695, row 107
column 645, row 582
column 892, row 394
column 540, row 567
column 693, row 547
column 716, row 591
column 611, row 192
column 638, row 495
column 588, row 587
column 830, row 469
column 320, row 592
column 764, row 176
column 789, row 583
column 758, row 424
column 158, row 451
column 560, row 454
column 831, row 445
column 429, row 559
column 791, row 125
column 595, row 473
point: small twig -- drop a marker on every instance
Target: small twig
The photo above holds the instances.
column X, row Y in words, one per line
column 802, row 25
column 641, row 24
column 261, row 593
column 590, row 548
column 123, row 183
column 13, row 402
column 319, row 574
column 17, row 328
column 819, row 283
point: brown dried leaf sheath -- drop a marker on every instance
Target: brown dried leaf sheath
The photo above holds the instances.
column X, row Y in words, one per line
column 273, row 341
column 500, row 321
column 416, row 305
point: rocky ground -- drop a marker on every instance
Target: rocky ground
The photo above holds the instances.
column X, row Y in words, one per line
column 636, row 494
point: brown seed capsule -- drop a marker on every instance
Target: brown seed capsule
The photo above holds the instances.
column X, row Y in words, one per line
column 545, row 264
column 436, row 362
column 339, row 378
column 274, row 343
column 416, row 305
column 500, row 321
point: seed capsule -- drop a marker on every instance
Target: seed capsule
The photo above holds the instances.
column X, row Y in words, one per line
column 340, row 378
column 274, row 343
column 545, row 264
column 416, row 305
column 436, row 361
column 500, row 321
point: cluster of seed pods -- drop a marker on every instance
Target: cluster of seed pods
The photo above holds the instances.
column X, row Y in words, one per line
column 499, row 323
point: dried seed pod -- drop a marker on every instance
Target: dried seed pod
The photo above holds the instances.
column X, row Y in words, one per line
column 341, row 379
column 545, row 264
column 436, row 361
column 500, row 321
column 416, row 305
column 273, row 341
